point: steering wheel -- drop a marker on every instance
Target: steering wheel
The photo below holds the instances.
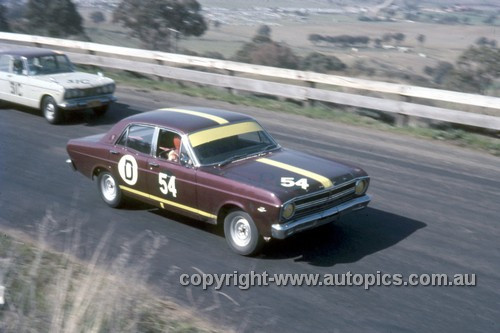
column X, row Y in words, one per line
column 164, row 152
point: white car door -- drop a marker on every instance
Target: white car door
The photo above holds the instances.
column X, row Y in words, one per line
column 5, row 75
column 12, row 81
column 18, row 80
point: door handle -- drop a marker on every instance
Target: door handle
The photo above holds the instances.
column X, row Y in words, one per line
column 114, row 152
column 153, row 164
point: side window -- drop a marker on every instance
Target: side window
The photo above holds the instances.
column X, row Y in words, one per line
column 138, row 137
column 4, row 63
column 169, row 145
column 34, row 66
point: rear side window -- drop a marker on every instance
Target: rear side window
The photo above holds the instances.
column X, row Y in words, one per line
column 138, row 137
column 4, row 63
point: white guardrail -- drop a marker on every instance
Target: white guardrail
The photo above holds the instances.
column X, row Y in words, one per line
column 153, row 62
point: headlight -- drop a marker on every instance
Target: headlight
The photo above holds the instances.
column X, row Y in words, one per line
column 288, row 210
column 107, row 89
column 68, row 93
column 73, row 93
column 361, row 186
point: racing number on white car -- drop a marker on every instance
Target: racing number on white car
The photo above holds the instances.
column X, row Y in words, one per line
column 15, row 88
column 290, row 182
column 167, row 184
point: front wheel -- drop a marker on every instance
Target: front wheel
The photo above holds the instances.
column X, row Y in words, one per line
column 109, row 189
column 51, row 111
column 241, row 233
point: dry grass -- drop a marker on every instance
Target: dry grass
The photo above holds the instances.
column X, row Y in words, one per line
column 48, row 291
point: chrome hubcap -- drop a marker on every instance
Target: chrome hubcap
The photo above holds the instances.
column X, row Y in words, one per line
column 50, row 111
column 108, row 188
column 240, row 231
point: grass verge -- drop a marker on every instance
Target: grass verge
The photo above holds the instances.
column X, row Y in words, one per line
column 459, row 137
column 47, row 291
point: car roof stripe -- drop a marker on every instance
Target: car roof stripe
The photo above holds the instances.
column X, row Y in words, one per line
column 322, row 179
column 217, row 119
column 221, row 132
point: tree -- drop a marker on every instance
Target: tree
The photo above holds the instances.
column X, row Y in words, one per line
column 268, row 54
column 483, row 41
column 315, row 38
column 481, row 65
column 387, row 37
column 57, row 18
column 320, row 63
column 440, row 72
column 264, row 31
column 216, row 24
column 421, row 38
column 97, row 17
column 490, row 19
column 4, row 25
column 399, row 37
column 264, row 51
column 157, row 22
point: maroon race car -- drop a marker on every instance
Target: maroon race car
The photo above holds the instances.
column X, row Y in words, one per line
column 220, row 167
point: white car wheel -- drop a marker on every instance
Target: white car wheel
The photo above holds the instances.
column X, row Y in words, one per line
column 109, row 189
column 241, row 233
column 51, row 111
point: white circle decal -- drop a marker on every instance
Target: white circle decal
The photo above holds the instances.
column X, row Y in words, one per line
column 127, row 167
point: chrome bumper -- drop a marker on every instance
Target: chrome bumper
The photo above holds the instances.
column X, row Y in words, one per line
column 87, row 102
column 71, row 164
column 284, row 230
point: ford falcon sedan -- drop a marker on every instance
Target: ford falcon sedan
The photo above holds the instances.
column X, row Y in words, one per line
column 47, row 80
column 221, row 167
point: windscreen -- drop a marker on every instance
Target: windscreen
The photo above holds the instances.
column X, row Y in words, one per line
column 49, row 64
column 230, row 142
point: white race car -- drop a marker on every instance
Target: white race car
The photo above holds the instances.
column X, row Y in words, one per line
column 47, row 80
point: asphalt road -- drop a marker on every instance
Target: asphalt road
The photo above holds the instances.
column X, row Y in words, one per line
column 435, row 209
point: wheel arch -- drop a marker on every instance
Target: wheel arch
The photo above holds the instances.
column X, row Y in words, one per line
column 97, row 170
column 42, row 98
column 226, row 209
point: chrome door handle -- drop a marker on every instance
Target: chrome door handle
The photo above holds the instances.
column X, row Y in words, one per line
column 114, row 152
column 153, row 164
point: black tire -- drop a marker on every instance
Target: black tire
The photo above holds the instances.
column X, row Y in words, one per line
column 101, row 110
column 51, row 111
column 110, row 192
column 241, row 233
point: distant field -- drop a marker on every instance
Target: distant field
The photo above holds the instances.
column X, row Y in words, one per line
column 442, row 42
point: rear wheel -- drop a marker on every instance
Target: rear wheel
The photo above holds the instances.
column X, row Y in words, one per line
column 109, row 189
column 241, row 233
column 51, row 111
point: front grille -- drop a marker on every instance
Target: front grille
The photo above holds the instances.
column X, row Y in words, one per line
column 324, row 199
column 90, row 92
column 87, row 92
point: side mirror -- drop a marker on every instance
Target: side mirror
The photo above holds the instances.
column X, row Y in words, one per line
column 185, row 160
column 25, row 72
column 100, row 74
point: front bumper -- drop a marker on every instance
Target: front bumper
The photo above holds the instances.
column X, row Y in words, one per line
column 71, row 164
column 285, row 230
column 86, row 102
